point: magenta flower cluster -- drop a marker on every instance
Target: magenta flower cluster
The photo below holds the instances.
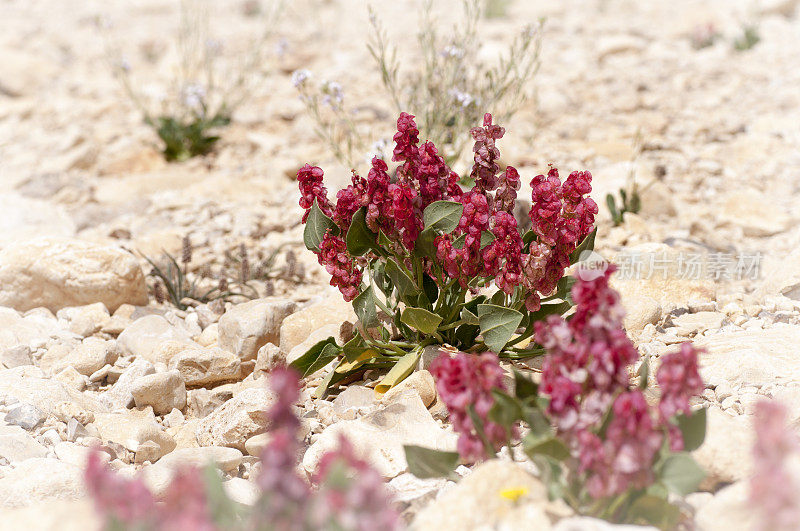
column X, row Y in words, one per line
column 342, row 269
column 349, row 494
column 678, row 378
column 466, row 381
column 562, row 215
column 589, row 356
column 285, row 495
column 774, row 491
column 587, row 371
column 352, row 494
column 129, row 503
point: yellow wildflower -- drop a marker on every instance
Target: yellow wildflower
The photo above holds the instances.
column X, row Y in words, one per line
column 514, row 493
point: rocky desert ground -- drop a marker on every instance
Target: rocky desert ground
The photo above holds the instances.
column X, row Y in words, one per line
column 88, row 355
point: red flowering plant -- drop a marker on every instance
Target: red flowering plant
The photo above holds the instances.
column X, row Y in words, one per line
column 425, row 261
column 595, row 439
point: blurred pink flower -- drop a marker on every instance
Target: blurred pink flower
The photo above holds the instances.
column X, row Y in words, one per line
column 185, row 507
column 774, row 491
column 679, row 379
column 352, row 495
column 120, row 500
column 587, row 357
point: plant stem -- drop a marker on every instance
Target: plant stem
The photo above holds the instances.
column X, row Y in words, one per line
column 378, row 301
column 457, row 306
column 443, row 294
column 452, row 325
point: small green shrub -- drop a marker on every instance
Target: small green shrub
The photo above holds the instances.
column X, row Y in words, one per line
column 627, row 204
column 183, row 140
column 748, row 39
column 204, row 91
column 234, row 280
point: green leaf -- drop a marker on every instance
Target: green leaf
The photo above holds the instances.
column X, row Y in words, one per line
column 506, row 410
column 522, row 354
column 317, row 225
column 550, row 309
column 459, row 242
column 608, row 416
column 224, row 511
column 680, row 473
column 399, row 372
column 443, row 216
column 528, row 237
column 586, row 245
column 354, row 348
column 466, row 181
column 652, row 510
column 347, row 365
column 383, row 240
column 425, row 244
column 405, row 286
column 382, row 281
column 497, row 324
column 537, row 422
column 611, row 203
column 534, row 445
column 329, row 353
column 472, row 305
column 644, row 372
column 427, row 463
column 430, row 288
column 658, row 490
column 316, row 357
column 468, row 317
column 477, row 424
column 524, row 387
column 552, row 474
column 486, row 238
column 498, row 299
column 322, row 389
column 421, row 319
column 693, row 429
column 360, row 240
column 636, row 202
column 564, row 286
column 364, row 307
column 422, row 301
column 466, row 335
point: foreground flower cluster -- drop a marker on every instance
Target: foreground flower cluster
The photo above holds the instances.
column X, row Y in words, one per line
column 413, row 250
column 594, row 436
column 586, row 372
column 346, row 494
